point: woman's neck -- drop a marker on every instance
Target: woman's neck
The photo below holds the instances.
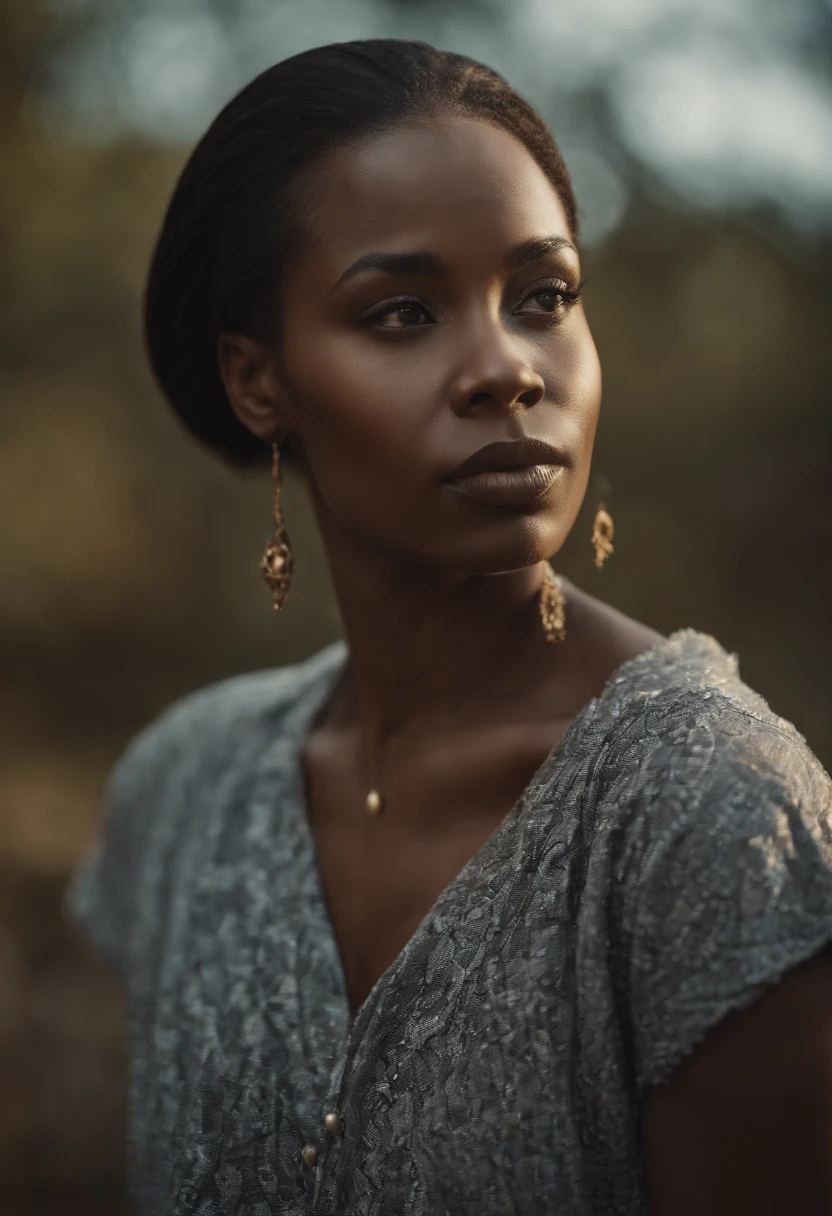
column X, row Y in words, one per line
column 430, row 649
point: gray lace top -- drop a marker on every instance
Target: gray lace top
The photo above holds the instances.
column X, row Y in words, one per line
column 670, row 858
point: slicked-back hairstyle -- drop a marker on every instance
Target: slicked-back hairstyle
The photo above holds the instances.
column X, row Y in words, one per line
column 217, row 262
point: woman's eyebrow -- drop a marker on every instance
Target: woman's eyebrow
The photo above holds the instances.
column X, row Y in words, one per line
column 535, row 249
column 422, row 262
column 393, row 263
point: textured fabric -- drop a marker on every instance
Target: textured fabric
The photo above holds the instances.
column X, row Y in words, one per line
column 670, row 858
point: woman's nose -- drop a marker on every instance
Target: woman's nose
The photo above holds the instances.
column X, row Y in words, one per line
column 495, row 372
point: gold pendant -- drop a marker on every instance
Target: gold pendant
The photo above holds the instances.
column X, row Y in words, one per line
column 277, row 562
column 276, row 565
column 552, row 606
column 602, row 534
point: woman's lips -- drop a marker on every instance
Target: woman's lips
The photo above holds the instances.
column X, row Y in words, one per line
column 513, row 487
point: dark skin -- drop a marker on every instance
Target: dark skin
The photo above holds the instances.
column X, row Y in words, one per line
column 387, row 378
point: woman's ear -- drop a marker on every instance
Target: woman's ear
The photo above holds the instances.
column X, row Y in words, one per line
column 254, row 390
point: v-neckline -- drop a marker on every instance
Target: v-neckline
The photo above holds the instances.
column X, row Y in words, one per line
column 307, row 709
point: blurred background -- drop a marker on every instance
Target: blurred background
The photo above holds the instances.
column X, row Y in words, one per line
column 699, row 135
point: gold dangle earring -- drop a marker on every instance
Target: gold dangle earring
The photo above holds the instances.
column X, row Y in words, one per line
column 602, row 534
column 277, row 562
column 552, row 606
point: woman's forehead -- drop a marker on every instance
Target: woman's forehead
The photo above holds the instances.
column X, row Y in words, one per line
column 439, row 185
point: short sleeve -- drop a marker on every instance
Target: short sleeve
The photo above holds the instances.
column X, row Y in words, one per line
column 733, row 885
column 174, row 778
column 104, row 894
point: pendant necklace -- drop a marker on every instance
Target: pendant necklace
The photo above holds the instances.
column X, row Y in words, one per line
column 373, row 802
column 552, row 606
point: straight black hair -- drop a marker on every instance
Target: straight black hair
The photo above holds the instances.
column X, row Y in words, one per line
column 217, row 261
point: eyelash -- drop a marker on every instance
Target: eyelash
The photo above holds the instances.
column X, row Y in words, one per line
column 568, row 296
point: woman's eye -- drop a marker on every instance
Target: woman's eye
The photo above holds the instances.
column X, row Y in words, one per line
column 402, row 316
column 548, row 299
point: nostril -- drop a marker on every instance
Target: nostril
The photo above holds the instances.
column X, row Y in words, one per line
column 532, row 396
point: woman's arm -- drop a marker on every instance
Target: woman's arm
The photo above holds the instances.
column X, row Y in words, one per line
column 745, row 1123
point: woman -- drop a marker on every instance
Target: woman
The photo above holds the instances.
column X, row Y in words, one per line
column 507, row 903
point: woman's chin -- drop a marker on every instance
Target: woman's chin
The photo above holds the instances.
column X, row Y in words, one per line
column 514, row 545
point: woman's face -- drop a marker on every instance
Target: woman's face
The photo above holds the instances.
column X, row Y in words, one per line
column 430, row 311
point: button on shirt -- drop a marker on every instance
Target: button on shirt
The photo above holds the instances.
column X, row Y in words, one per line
column 668, row 860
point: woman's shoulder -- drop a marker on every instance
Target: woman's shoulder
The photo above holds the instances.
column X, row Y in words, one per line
column 653, row 686
column 228, row 718
column 691, row 748
column 685, row 696
column 670, row 723
column 160, row 791
column 716, row 830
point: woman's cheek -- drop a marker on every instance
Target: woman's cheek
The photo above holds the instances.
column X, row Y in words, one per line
column 587, row 370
